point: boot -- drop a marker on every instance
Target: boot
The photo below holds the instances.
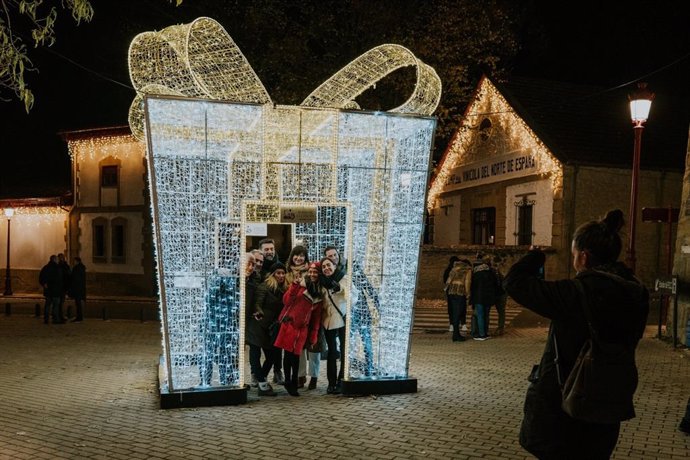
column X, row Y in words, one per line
column 685, row 422
column 253, row 382
column 312, row 384
column 291, row 389
column 301, row 381
column 265, row 389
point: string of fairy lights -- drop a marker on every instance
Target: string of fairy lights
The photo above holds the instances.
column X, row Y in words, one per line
column 521, row 137
column 217, row 166
column 363, row 174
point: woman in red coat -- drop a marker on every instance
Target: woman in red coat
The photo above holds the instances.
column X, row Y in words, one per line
column 300, row 321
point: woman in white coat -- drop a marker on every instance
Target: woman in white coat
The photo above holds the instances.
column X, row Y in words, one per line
column 333, row 322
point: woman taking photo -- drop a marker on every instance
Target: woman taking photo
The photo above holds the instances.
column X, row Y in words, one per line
column 300, row 320
column 267, row 306
column 606, row 298
column 333, row 322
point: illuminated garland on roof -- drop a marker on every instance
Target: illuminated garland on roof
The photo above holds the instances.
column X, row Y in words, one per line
column 491, row 103
column 101, row 147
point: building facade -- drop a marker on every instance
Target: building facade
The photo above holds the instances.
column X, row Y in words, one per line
column 109, row 223
column 516, row 174
column 104, row 219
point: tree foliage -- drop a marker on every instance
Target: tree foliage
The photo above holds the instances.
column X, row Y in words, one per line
column 32, row 21
column 461, row 39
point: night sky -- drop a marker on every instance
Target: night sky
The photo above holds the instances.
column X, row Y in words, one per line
column 83, row 80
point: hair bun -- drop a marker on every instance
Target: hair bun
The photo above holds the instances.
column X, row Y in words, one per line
column 614, row 220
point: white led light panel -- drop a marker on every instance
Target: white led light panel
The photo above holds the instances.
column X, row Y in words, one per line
column 216, row 166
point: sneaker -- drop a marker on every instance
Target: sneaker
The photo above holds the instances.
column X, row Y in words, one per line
column 480, row 338
column 253, row 382
column 463, row 328
column 450, row 328
column 278, row 378
column 266, row 390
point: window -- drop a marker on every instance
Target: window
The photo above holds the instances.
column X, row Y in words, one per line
column 98, row 226
column 524, row 222
column 484, row 226
column 109, row 176
column 118, row 240
column 485, row 129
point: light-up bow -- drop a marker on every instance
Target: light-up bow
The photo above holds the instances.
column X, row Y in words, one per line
column 200, row 59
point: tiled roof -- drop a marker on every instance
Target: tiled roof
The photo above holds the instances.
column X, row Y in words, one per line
column 590, row 125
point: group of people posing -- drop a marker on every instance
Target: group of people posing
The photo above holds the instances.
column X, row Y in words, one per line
column 479, row 285
column 58, row 280
column 288, row 308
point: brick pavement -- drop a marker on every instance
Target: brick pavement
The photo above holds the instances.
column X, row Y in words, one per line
column 89, row 391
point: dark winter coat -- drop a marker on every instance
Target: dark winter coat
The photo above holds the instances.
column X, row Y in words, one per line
column 250, row 287
column 66, row 274
column 269, row 303
column 78, row 282
column 484, row 285
column 301, row 317
column 50, row 277
column 619, row 305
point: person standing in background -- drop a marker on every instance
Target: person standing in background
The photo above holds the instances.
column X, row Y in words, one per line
column 458, row 289
column 482, row 297
column 66, row 274
column 77, row 289
column 446, row 273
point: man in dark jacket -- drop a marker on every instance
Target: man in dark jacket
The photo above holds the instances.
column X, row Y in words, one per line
column 268, row 247
column 66, row 274
column 78, row 288
column 50, row 278
column 482, row 296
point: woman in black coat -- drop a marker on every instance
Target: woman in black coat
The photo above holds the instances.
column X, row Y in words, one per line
column 267, row 305
column 619, row 305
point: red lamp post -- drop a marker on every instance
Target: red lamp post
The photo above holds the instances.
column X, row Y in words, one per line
column 640, row 103
column 9, row 212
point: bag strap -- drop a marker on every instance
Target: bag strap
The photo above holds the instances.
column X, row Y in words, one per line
column 588, row 316
column 334, row 305
column 585, row 307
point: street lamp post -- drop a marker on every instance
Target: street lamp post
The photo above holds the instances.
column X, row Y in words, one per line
column 9, row 212
column 640, row 103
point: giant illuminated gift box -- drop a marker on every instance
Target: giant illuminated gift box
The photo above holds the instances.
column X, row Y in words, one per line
column 218, row 170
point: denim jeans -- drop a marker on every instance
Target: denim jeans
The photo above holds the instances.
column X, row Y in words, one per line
column 52, row 307
column 270, row 355
column 333, row 355
column 479, row 329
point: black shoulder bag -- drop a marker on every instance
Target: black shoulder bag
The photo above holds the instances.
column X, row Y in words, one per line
column 601, row 385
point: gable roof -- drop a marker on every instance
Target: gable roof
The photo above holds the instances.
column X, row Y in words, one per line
column 590, row 125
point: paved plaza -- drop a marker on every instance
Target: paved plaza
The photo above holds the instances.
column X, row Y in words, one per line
column 89, row 391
